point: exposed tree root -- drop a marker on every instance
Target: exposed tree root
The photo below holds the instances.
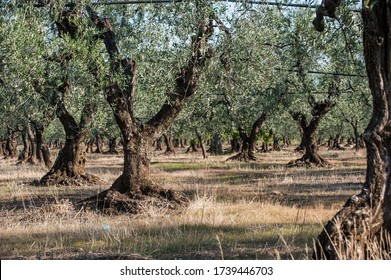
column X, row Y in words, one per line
column 169, row 152
column 309, row 160
column 59, row 178
column 150, row 196
column 242, row 157
column 353, row 233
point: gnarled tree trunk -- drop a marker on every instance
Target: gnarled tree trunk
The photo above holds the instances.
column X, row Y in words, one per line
column 112, row 146
column 2, row 148
column 311, row 155
column 169, row 145
column 216, row 147
column 199, row 137
column 23, row 156
column 12, row 143
column 43, row 152
column 365, row 220
column 32, row 159
column 134, row 190
column 69, row 167
column 247, row 152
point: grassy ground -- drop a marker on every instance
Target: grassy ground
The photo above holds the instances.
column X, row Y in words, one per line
column 258, row 210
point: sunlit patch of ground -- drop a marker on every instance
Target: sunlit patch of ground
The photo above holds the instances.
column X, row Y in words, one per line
column 258, row 210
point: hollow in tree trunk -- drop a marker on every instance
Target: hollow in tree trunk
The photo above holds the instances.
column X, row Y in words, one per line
column 364, row 222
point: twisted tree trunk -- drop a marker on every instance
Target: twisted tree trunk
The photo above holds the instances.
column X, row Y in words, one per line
column 308, row 128
column 43, row 153
column 23, row 156
column 169, row 145
column 365, row 220
column 12, row 143
column 247, row 152
column 134, row 190
column 69, row 167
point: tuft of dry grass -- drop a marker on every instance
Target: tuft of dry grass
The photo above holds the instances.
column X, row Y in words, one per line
column 255, row 210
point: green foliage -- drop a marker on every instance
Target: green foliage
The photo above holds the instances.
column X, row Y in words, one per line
column 261, row 62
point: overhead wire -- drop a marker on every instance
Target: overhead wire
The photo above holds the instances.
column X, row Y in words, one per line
column 255, row 2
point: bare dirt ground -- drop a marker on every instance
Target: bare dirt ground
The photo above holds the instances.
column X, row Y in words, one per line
column 259, row 210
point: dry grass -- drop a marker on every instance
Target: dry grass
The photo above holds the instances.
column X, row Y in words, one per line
column 255, row 210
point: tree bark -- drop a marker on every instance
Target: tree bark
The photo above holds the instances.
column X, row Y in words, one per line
column 12, row 143
column 336, row 143
column 69, row 167
column 169, row 145
column 133, row 190
column 112, row 146
column 216, row 147
column 248, row 142
column 199, row 136
column 32, row 159
column 99, row 144
column 276, row 144
column 42, row 146
column 311, row 155
column 2, row 148
column 23, row 156
column 365, row 220
column 158, row 143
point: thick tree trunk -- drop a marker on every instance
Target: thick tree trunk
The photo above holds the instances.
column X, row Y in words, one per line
column 286, row 142
column 199, row 136
column 98, row 144
column 112, row 146
column 69, row 167
column 12, row 143
column 356, row 139
column 133, row 191
column 276, row 144
column 244, row 154
column 169, row 145
column 311, row 155
column 23, row 156
column 364, row 223
column 193, row 147
column 181, row 143
column 32, row 159
column 2, row 148
column 216, row 147
column 90, row 146
column 248, row 142
column 158, row 143
column 336, row 143
column 235, row 145
column 43, row 152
